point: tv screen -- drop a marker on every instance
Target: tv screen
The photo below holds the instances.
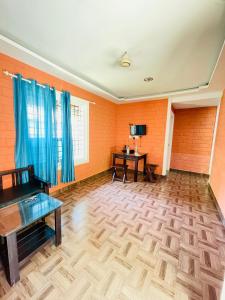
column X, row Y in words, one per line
column 138, row 130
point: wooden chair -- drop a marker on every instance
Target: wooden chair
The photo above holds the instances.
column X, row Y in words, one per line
column 150, row 172
column 119, row 167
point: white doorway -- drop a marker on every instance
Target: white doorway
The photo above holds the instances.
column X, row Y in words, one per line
column 170, row 141
column 182, row 102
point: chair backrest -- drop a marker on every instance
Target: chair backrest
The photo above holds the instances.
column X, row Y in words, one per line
column 17, row 175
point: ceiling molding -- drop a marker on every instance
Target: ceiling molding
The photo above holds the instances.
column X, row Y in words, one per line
column 217, row 63
column 196, row 97
column 12, row 48
column 163, row 95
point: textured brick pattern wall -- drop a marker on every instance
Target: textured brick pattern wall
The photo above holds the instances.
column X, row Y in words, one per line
column 151, row 113
column 192, row 139
column 102, row 119
column 108, row 122
column 217, row 179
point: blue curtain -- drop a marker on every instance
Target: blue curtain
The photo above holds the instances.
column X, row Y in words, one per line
column 35, row 122
column 22, row 147
column 67, row 172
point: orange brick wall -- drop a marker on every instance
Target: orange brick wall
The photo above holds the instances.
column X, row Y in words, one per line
column 192, row 139
column 108, row 122
column 102, row 119
column 151, row 113
column 217, row 178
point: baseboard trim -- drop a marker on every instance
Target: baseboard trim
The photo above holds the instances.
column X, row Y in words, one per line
column 74, row 184
column 222, row 218
column 92, row 177
column 140, row 173
column 190, row 172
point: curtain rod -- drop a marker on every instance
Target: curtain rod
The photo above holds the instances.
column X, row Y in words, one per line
column 43, row 86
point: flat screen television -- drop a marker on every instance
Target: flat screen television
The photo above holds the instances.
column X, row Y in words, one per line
column 138, row 130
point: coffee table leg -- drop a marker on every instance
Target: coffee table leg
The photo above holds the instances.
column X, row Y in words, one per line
column 12, row 264
column 58, row 234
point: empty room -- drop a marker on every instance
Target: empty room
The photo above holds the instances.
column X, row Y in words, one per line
column 112, row 150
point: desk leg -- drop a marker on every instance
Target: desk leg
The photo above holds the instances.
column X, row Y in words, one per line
column 124, row 165
column 136, row 170
column 144, row 167
column 12, row 263
column 58, row 234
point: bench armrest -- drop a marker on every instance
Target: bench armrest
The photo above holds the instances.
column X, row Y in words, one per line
column 46, row 184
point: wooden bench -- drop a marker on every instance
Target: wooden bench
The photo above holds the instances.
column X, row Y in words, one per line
column 20, row 190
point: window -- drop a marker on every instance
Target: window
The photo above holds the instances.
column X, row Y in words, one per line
column 35, row 121
column 80, row 129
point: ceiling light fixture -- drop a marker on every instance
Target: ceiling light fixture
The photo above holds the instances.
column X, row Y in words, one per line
column 148, row 79
column 125, row 62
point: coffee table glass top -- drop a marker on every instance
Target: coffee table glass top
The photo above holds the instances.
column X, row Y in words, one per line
column 19, row 215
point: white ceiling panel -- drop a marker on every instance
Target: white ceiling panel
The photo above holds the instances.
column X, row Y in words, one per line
column 176, row 42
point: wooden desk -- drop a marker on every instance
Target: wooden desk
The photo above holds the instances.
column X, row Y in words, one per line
column 23, row 231
column 132, row 157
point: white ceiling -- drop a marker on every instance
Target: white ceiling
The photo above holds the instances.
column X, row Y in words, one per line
column 196, row 103
column 176, row 43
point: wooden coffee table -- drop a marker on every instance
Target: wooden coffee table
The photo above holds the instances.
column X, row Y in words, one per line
column 23, row 231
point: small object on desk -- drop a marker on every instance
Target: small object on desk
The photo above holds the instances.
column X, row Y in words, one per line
column 150, row 170
column 136, row 149
column 23, row 231
column 128, row 150
column 124, row 150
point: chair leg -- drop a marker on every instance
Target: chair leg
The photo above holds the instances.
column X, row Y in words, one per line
column 124, row 178
column 125, row 171
column 114, row 175
column 125, row 174
column 151, row 177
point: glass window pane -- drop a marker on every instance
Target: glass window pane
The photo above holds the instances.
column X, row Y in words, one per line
column 79, row 116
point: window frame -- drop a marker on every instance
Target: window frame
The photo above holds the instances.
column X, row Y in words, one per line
column 85, row 104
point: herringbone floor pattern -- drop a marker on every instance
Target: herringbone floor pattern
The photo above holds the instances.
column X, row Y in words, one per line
column 141, row 240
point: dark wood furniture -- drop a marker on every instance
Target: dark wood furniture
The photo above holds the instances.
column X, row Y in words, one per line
column 20, row 190
column 133, row 157
column 23, row 231
column 119, row 167
column 150, row 172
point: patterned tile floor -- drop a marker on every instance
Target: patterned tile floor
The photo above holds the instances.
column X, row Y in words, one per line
column 141, row 240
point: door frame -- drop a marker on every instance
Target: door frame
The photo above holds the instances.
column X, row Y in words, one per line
column 167, row 134
column 189, row 97
column 170, row 141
